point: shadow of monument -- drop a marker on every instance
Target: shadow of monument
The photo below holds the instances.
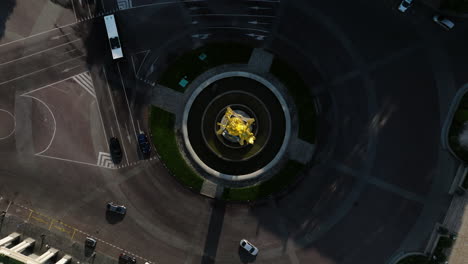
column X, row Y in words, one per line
column 6, row 8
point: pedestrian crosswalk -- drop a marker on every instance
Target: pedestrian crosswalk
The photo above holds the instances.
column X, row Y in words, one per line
column 85, row 81
column 104, row 160
column 124, row 4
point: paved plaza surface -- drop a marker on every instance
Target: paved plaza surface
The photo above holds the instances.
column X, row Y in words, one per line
column 381, row 177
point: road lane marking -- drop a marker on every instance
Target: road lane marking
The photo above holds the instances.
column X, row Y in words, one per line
column 30, row 213
column 53, row 117
column 74, row 11
column 14, row 125
column 31, row 73
column 238, row 28
column 126, row 99
column 72, row 234
column 39, row 52
column 115, row 113
column 231, row 15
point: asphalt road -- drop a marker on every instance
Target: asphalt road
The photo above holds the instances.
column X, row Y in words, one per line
column 382, row 177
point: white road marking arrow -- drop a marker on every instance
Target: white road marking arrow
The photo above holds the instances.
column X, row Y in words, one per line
column 201, row 36
column 258, row 23
column 259, row 8
column 255, row 36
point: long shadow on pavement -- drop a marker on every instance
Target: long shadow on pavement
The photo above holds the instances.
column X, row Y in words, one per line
column 214, row 232
column 6, row 8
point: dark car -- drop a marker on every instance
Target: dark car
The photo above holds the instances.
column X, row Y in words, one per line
column 115, row 208
column 126, row 259
column 145, row 147
column 90, row 242
column 115, row 150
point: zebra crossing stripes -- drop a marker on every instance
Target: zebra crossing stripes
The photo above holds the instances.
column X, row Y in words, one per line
column 124, row 4
column 85, row 81
column 104, row 160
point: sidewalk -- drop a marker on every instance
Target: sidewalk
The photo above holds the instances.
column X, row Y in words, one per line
column 459, row 224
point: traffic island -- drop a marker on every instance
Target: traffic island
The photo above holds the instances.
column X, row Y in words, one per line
column 233, row 131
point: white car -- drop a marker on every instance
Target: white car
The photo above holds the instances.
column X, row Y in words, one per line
column 249, row 247
column 443, row 22
column 404, row 5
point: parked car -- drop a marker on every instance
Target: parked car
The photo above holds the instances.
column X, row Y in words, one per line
column 443, row 22
column 126, row 259
column 115, row 150
column 249, row 247
column 90, row 242
column 145, row 146
column 404, row 5
column 115, row 208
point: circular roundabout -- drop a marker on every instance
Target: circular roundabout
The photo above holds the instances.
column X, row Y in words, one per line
column 221, row 155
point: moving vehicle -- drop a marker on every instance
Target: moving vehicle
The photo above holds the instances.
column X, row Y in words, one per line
column 115, row 208
column 113, row 36
column 126, row 259
column 249, row 247
column 404, row 5
column 443, row 22
column 90, row 242
column 115, row 150
column 145, row 146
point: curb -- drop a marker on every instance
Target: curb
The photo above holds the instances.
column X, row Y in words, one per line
column 395, row 259
column 449, row 119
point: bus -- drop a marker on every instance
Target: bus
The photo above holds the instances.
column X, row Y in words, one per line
column 113, row 36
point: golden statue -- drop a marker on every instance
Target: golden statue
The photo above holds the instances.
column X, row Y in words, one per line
column 237, row 126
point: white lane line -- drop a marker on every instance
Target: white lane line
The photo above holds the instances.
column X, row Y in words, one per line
column 99, row 108
column 22, row 76
column 89, row 9
column 74, row 161
column 53, row 117
column 39, row 52
column 265, row 1
column 14, row 124
column 138, row 123
column 231, row 15
column 45, row 86
column 238, row 28
column 59, row 36
column 85, row 78
column 78, row 79
column 37, row 34
column 115, row 113
column 71, row 24
column 74, row 12
column 112, row 132
column 126, row 99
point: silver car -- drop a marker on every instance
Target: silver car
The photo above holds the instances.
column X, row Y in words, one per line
column 404, row 5
column 249, row 247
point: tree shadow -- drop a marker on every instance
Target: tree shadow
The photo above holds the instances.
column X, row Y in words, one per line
column 6, row 8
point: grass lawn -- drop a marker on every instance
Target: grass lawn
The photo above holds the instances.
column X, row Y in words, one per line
column 459, row 119
column 7, row 260
column 278, row 182
column 162, row 129
column 189, row 65
column 458, row 6
column 302, row 98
